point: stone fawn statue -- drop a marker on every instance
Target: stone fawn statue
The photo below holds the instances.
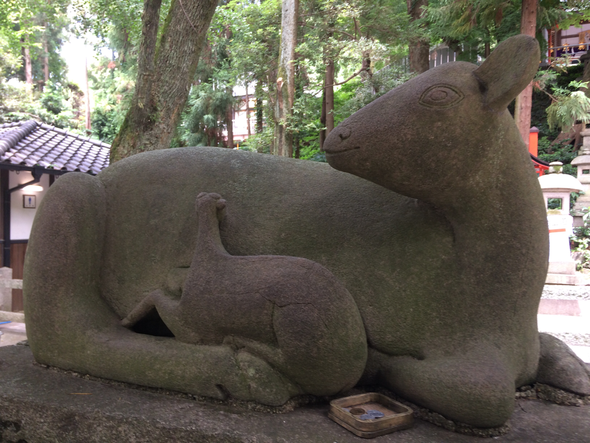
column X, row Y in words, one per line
column 415, row 260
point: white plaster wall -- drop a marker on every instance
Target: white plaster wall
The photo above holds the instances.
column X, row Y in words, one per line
column 21, row 218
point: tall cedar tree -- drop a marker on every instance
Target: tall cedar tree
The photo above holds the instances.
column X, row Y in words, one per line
column 523, row 104
column 283, row 145
column 165, row 71
column 419, row 47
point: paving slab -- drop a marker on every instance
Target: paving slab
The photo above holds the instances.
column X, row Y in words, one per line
column 43, row 405
column 12, row 332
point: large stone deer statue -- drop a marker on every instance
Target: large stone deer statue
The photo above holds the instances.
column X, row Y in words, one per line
column 419, row 267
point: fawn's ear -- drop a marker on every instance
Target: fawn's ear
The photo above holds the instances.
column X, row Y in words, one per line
column 508, row 70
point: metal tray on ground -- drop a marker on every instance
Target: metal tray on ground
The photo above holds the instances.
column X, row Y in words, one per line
column 380, row 414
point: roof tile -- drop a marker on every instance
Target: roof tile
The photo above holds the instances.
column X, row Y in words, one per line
column 31, row 143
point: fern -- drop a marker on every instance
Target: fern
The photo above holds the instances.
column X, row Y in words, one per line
column 568, row 107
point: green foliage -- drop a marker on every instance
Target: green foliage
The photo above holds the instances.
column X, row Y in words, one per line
column 35, row 27
column 473, row 27
column 10, row 60
column 565, row 104
column 53, row 99
column 554, row 203
column 242, row 48
column 578, row 12
column 305, row 124
column 260, row 142
column 116, row 24
column 105, row 123
column 360, row 94
column 59, row 105
column 17, row 25
column 204, row 121
column 569, row 107
column 347, row 32
column 211, row 98
column 580, row 241
column 112, row 85
column 255, row 35
column 32, row 24
column 558, row 152
column 544, row 80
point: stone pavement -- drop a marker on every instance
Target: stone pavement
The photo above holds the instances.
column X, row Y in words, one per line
column 12, row 333
column 565, row 313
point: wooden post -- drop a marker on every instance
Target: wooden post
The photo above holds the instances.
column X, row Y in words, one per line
column 534, row 141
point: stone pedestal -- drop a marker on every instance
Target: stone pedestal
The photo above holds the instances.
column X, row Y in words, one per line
column 562, row 268
column 5, row 289
column 582, row 163
column 555, row 185
column 40, row 405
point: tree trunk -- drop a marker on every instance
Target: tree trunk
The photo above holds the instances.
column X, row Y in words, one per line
column 419, row 47
column 323, row 116
column 258, row 93
column 327, row 115
column 45, row 64
column 523, row 104
column 229, row 117
column 123, row 54
column 248, row 112
column 164, row 75
column 329, row 94
column 285, row 85
column 45, row 60
column 28, row 65
column 87, row 94
column 366, row 73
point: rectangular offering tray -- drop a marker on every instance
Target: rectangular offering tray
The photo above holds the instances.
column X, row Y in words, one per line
column 395, row 415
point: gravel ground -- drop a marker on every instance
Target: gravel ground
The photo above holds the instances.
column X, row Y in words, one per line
column 575, row 331
column 564, row 292
column 572, row 339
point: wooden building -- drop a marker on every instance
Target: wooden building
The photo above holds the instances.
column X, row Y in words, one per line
column 32, row 156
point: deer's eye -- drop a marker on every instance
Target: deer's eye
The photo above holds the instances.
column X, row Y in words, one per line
column 441, row 96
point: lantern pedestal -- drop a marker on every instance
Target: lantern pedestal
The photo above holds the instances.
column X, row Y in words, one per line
column 558, row 186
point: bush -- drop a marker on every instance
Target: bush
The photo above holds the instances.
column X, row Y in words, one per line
column 57, row 106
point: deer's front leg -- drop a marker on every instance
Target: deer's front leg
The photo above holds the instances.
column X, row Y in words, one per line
column 142, row 309
column 169, row 311
column 166, row 306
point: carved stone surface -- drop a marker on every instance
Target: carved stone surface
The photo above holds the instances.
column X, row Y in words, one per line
column 287, row 318
column 559, row 366
column 436, row 240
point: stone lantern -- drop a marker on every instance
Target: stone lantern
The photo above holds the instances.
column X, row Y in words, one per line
column 556, row 188
column 582, row 162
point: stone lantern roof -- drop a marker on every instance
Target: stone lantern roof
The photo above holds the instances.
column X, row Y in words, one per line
column 582, row 159
column 559, row 182
column 557, row 185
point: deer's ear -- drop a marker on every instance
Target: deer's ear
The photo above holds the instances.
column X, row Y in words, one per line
column 508, row 69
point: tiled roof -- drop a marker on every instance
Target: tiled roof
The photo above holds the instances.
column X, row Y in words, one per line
column 30, row 143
